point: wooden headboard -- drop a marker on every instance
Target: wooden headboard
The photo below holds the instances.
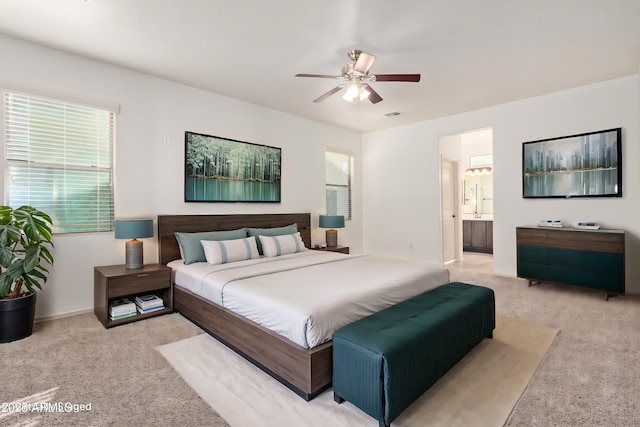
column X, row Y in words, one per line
column 168, row 249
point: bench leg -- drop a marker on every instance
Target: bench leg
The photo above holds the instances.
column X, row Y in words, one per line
column 383, row 424
column 490, row 336
column 337, row 398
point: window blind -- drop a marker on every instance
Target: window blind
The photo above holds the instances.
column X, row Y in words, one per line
column 59, row 159
column 338, row 167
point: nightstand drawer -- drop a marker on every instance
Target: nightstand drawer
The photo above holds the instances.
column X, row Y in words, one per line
column 136, row 283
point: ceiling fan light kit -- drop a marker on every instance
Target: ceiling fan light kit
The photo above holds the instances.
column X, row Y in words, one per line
column 355, row 90
column 356, row 79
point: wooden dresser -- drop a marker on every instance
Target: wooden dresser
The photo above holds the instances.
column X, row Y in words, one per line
column 584, row 258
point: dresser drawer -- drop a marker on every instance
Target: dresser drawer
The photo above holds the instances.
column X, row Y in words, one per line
column 531, row 237
column 136, row 283
column 585, row 260
column 602, row 280
column 535, row 254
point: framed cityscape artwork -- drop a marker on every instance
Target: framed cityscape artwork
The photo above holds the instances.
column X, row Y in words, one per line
column 584, row 165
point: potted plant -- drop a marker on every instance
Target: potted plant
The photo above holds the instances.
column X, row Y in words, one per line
column 25, row 243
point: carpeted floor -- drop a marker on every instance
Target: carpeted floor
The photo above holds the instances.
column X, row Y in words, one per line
column 117, row 371
column 480, row 390
column 589, row 377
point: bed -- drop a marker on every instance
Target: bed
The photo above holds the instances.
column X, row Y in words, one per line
column 299, row 357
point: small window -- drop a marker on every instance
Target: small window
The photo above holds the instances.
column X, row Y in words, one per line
column 59, row 159
column 481, row 160
column 338, row 169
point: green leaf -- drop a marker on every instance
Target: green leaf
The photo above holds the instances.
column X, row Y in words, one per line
column 5, row 215
column 6, row 256
column 5, row 283
column 42, row 227
column 41, row 273
column 25, row 242
column 31, row 258
column 9, row 234
column 44, row 253
column 31, row 284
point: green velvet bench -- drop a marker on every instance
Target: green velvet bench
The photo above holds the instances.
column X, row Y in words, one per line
column 384, row 362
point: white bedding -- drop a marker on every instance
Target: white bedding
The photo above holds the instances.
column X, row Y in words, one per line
column 307, row 296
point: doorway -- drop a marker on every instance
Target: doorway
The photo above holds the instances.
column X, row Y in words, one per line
column 468, row 224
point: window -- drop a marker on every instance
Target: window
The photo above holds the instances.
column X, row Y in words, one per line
column 481, row 160
column 59, row 158
column 338, row 168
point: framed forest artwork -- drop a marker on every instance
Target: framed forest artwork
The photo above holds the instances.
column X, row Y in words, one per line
column 225, row 170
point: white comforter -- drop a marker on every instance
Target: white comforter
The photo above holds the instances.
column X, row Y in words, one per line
column 307, row 296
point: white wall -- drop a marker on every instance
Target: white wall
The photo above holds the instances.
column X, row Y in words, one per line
column 396, row 184
column 401, row 167
column 149, row 158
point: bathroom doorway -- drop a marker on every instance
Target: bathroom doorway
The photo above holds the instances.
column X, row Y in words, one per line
column 472, row 152
column 477, row 189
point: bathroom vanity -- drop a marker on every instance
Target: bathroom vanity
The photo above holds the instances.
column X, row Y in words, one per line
column 477, row 235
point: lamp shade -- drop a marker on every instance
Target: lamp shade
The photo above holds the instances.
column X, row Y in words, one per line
column 133, row 228
column 331, row 221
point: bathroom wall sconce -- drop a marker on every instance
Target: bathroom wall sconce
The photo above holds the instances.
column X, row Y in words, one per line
column 487, row 170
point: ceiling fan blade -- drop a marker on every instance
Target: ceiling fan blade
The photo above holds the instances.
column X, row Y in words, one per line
column 397, row 77
column 323, row 76
column 328, row 94
column 364, row 62
column 373, row 95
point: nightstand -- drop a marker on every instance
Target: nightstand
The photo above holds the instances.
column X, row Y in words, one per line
column 341, row 249
column 113, row 282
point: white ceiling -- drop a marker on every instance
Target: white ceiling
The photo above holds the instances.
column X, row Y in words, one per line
column 471, row 54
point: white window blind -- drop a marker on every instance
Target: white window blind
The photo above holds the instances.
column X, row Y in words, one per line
column 338, row 168
column 59, row 159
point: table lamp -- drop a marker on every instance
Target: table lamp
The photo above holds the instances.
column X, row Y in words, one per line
column 133, row 229
column 331, row 222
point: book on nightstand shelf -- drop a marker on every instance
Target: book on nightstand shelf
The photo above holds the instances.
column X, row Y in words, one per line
column 122, row 308
column 149, row 310
column 121, row 316
column 148, row 303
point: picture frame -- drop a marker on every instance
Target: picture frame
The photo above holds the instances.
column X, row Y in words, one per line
column 582, row 165
column 220, row 169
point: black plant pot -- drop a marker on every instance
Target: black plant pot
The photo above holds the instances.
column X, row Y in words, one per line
column 16, row 317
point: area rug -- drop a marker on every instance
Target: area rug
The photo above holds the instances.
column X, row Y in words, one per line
column 481, row 390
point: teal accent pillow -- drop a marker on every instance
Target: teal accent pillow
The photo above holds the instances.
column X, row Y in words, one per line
column 191, row 248
column 275, row 231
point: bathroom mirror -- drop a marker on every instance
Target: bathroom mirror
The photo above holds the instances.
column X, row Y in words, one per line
column 478, row 194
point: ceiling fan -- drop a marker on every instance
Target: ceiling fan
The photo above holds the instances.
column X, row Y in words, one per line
column 356, row 78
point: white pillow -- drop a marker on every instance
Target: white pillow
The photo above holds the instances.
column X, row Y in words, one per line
column 281, row 245
column 223, row 251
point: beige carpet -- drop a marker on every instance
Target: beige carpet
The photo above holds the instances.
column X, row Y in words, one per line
column 481, row 390
column 75, row 360
column 588, row 378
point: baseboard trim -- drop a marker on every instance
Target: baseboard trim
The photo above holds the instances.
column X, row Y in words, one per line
column 62, row 316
